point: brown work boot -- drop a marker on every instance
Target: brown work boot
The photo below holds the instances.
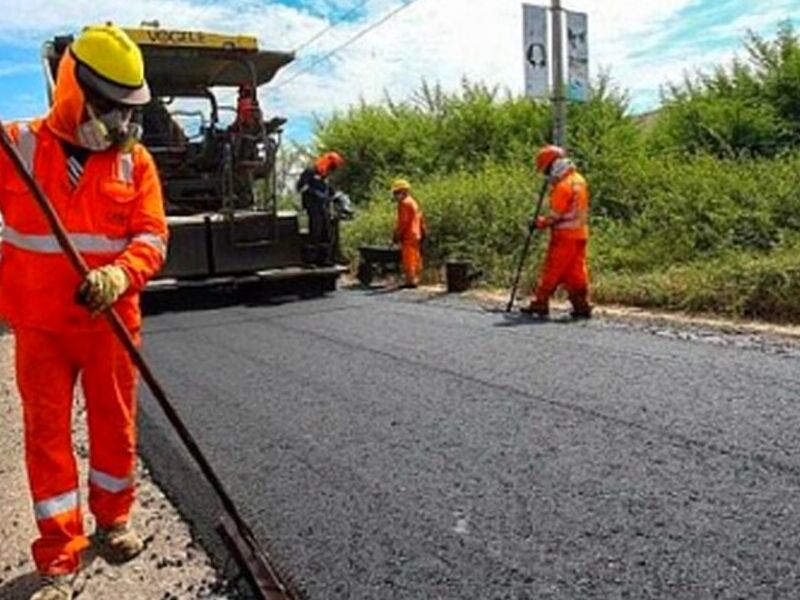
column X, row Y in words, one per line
column 119, row 544
column 537, row 309
column 55, row 587
column 581, row 309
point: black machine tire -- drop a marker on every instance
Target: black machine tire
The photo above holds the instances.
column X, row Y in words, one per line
column 366, row 273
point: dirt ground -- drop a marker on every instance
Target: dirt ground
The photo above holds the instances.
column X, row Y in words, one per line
column 653, row 317
column 496, row 299
column 171, row 567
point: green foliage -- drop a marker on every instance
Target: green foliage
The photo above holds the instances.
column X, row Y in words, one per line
column 739, row 285
column 699, row 208
column 480, row 215
column 433, row 133
column 696, row 211
column 699, row 212
column 749, row 109
column 607, row 144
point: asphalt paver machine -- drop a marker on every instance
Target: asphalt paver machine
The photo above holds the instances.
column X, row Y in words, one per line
column 216, row 156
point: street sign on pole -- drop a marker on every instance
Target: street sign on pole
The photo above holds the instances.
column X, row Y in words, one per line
column 559, row 97
column 537, row 63
column 556, row 67
column 577, row 56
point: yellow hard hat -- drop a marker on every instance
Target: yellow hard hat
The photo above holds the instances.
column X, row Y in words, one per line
column 399, row 185
column 110, row 64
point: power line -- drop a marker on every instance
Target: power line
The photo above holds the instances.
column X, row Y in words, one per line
column 333, row 24
column 341, row 47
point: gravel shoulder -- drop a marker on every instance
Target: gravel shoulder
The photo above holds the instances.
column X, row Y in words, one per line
column 173, row 565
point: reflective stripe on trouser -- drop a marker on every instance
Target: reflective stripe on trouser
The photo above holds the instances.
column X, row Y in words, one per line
column 48, row 366
column 565, row 265
column 411, row 258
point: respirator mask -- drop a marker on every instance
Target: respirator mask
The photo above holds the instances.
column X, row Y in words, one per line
column 108, row 125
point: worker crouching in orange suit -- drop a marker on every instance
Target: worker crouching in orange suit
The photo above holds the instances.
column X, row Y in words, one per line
column 567, row 221
column 105, row 188
column 409, row 232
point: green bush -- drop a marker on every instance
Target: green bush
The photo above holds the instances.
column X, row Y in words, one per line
column 437, row 133
column 738, row 285
column 693, row 219
column 700, row 211
column 749, row 109
column 478, row 215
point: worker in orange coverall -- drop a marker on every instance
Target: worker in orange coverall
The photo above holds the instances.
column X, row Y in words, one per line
column 567, row 221
column 105, row 188
column 409, row 232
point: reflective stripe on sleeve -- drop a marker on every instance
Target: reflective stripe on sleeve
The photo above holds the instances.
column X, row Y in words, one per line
column 48, row 244
column 26, row 144
column 151, row 239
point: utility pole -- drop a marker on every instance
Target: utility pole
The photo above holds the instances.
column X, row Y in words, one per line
column 559, row 97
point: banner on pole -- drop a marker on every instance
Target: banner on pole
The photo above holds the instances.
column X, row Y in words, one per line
column 537, row 57
column 577, row 56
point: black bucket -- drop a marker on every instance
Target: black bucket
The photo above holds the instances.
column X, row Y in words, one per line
column 459, row 275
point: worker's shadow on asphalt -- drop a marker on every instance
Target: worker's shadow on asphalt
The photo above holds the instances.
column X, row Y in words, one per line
column 520, row 319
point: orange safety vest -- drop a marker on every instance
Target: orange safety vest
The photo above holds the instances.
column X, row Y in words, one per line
column 114, row 215
column 410, row 221
column 569, row 207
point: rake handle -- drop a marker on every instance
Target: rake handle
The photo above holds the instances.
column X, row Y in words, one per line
column 526, row 247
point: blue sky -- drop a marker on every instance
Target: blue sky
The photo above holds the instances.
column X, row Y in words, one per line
column 643, row 45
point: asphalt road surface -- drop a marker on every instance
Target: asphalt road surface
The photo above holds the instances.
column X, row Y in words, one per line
column 393, row 446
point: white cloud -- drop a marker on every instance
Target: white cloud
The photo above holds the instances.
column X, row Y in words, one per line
column 445, row 40
column 8, row 69
column 439, row 40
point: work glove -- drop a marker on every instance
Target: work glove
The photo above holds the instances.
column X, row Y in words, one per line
column 541, row 223
column 102, row 288
column 537, row 223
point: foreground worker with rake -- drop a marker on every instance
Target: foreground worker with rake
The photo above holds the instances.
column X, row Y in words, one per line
column 105, row 187
column 93, row 246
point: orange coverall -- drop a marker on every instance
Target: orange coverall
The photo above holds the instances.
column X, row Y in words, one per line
column 565, row 263
column 114, row 215
column 409, row 231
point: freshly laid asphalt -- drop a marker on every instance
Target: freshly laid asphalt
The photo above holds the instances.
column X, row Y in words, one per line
column 394, row 446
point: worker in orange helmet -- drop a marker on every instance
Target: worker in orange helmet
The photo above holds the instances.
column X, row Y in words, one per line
column 248, row 111
column 105, row 188
column 317, row 197
column 409, row 232
column 567, row 221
